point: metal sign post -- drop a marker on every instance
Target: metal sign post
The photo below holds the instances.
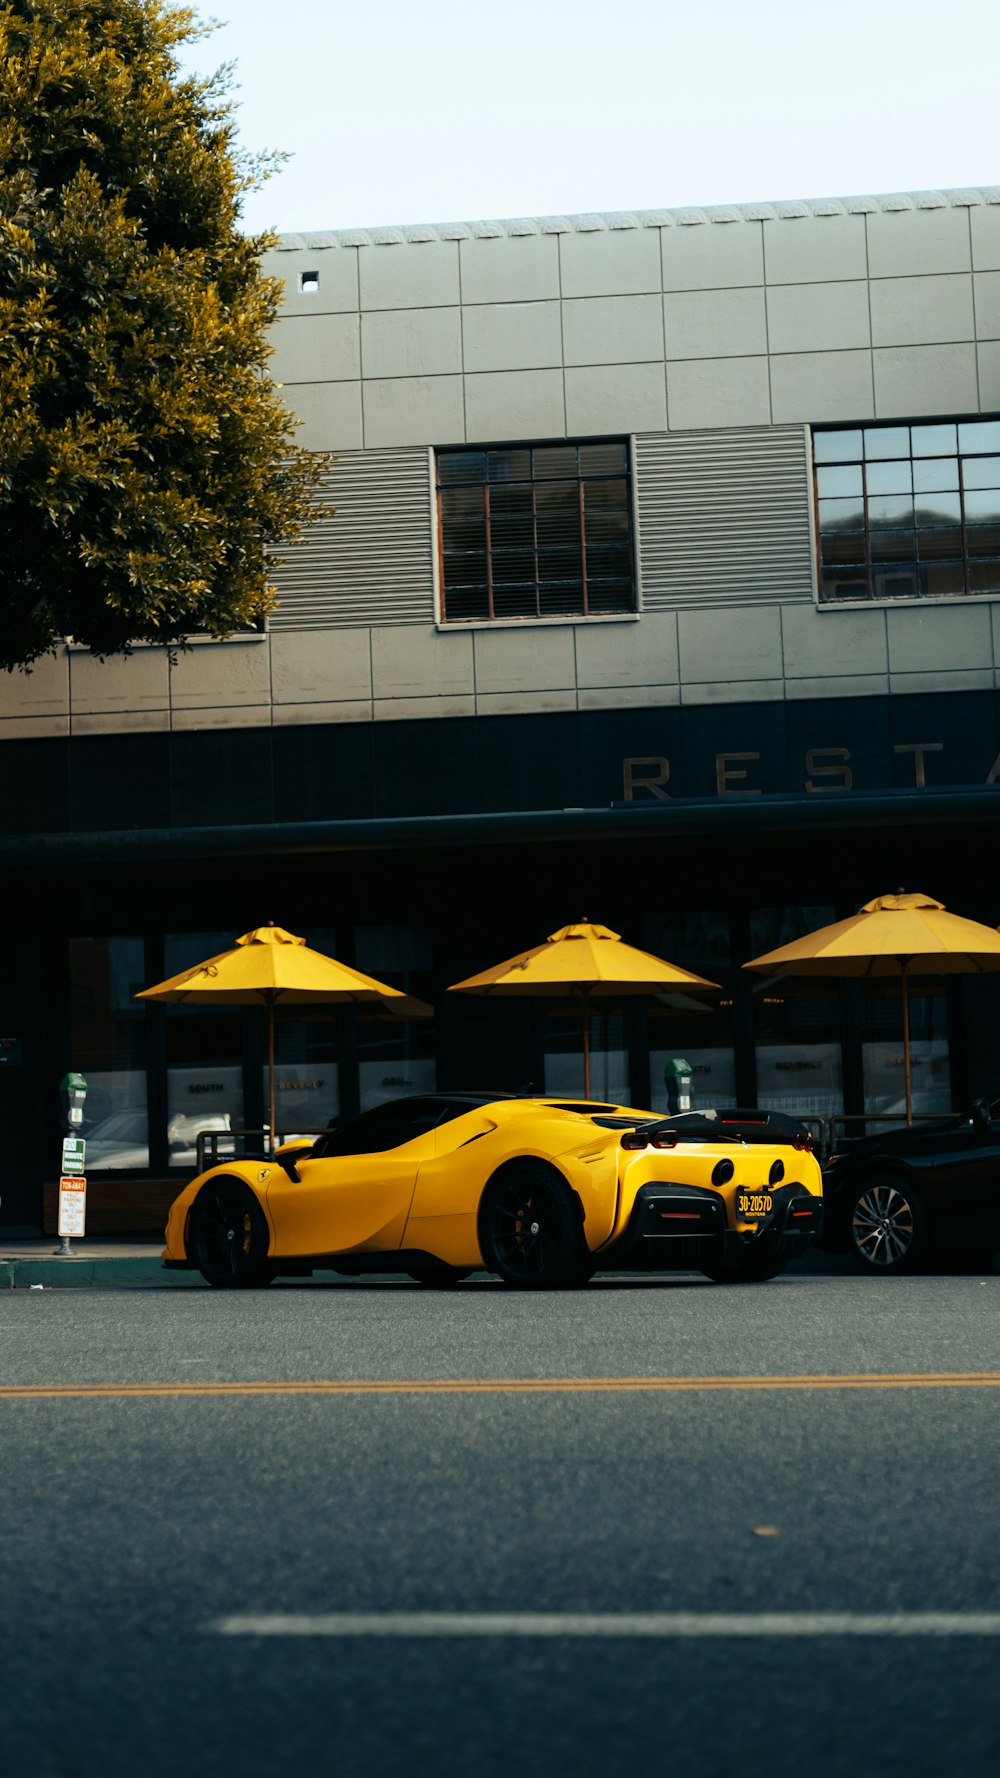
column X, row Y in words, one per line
column 72, row 1195
column 72, row 1211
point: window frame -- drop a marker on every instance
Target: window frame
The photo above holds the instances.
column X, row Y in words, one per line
column 490, row 620
column 871, row 597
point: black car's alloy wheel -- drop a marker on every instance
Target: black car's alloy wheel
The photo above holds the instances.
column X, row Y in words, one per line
column 887, row 1226
column 228, row 1238
column 529, row 1232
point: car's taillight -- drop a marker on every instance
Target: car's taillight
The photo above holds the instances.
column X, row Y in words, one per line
column 723, row 1171
column 642, row 1139
column 803, row 1139
column 777, row 1173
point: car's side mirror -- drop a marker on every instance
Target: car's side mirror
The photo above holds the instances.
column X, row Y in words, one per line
column 287, row 1164
column 298, row 1148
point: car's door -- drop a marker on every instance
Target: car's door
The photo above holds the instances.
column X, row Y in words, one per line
column 355, row 1195
column 965, row 1185
column 450, row 1183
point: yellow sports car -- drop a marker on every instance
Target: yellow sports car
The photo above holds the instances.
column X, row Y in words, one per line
column 542, row 1192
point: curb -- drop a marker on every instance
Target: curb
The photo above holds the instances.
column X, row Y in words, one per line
column 60, row 1274
column 81, row 1273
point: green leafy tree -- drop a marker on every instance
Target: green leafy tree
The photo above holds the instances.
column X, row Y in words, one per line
column 147, row 463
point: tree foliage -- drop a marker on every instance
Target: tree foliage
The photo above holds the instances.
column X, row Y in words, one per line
column 147, row 464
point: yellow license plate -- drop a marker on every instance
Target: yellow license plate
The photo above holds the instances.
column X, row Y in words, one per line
column 754, row 1204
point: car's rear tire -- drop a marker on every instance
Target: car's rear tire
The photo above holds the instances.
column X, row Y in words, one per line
column 439, row 1277
column 754, row 1269
column 530, row 1232
column 886, row 1226
column 228, row 1237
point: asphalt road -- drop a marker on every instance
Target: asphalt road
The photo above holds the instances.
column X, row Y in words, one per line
column 768, row 1574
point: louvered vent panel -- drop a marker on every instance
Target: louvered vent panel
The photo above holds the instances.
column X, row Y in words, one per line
column 368, row 557
column 724, row 517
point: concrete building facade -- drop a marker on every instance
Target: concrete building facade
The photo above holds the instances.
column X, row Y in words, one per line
column 657, row 561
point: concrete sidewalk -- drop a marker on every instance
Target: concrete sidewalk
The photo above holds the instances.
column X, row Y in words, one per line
column 95, row 1260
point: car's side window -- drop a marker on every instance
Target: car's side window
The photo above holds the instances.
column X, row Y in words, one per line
column 382, row 1128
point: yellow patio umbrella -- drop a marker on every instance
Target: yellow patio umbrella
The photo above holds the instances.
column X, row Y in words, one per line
column 582, row 963
column 271, row 967
column 894, row 935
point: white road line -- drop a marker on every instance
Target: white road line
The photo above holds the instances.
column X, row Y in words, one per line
column 650, row 1623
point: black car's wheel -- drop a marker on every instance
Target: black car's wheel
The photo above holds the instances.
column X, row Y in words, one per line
column 754, row 1269
column 228, row 1238
column 530, row 1233
column 886, row 1225
column 439, row 1277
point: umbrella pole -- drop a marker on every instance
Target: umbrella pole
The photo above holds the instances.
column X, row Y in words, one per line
column 906, row 1046
column 586, row 1052
column 270, row 1075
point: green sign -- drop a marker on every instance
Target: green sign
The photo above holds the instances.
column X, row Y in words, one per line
column 74, row 1151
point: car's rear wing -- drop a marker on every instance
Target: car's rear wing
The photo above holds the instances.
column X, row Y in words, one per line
column 730, row 1124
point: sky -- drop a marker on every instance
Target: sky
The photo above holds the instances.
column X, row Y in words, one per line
column 399, row 113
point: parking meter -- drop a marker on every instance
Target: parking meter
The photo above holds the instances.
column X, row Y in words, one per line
column 72, row 1098
column 677, row 1076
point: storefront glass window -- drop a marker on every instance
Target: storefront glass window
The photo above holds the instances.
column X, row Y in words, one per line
column 306, row 1074
column 107, row 1045
column 882, row 1049
column 204, row 1055
column 693, row 1027
column 609, row 1069
column 396, row 1053
column 306, row 1052
column 796, row 1022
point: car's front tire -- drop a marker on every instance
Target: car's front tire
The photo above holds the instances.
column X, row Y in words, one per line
column 530, row 1232
column 886, row 1226
column 228, row 1237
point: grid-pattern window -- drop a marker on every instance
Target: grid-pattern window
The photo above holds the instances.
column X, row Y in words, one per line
column 536, row 530
column 908, row 511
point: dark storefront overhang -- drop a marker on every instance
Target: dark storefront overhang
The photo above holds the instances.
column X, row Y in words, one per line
column 732, row 818
column 286, row 789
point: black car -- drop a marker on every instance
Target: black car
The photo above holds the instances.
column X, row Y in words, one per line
column 892, row 1199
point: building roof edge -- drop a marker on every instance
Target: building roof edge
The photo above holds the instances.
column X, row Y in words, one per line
column 685, row 216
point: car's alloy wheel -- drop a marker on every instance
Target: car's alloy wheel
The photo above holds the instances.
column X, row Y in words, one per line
column 530, row 1234
column 228, row 1239
column 887, row 1226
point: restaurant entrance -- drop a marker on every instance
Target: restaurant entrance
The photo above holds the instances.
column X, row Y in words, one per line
column 708, row 888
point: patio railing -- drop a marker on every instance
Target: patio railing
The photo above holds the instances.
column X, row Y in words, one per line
column 213, row 1146
column 832, row 1131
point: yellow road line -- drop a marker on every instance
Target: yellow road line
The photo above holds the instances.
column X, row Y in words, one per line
column 508, row 1386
